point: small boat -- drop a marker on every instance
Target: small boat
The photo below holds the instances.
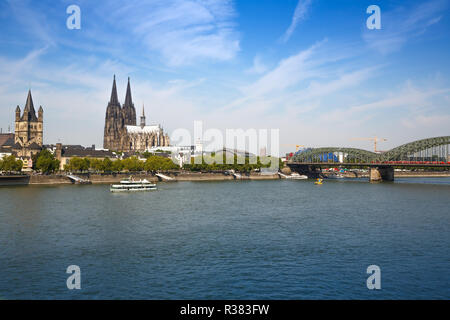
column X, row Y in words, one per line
column 296, row 176
column 319, row 181
column 132, row 185
column 335, row 176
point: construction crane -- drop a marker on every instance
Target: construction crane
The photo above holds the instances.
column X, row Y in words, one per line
column 375, row 142
column 297, row 146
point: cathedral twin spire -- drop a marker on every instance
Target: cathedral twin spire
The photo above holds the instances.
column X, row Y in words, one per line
column 128, row 100
column 127, row 110
column 114, row 98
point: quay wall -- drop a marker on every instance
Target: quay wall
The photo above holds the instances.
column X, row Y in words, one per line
column 14, row 180
column 94, row 178
column 113, row 178
column 36, row 179
column 415, row 174
column 198, row 176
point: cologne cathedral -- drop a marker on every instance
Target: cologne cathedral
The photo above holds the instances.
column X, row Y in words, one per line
column 121, row 132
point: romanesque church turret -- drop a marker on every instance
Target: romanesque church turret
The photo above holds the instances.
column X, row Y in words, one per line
column 29, row 129
column 121, row 132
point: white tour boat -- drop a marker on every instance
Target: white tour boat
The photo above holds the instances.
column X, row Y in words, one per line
column 133, row 185
column 296, row 176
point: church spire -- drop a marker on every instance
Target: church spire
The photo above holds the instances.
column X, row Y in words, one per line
column 128, row 100
column 129, row 113
column 28, row 112
column 143, row 117
column 29, row 104
column 114, row 99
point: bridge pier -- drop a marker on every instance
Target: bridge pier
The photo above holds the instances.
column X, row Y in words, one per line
column 385, row 173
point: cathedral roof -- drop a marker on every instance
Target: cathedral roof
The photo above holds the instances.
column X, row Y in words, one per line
column 128, row 100
column 145, row 129
column 5, row 150
column 6, row 139
column 16, row 146
column 114, row 99
column 77, row 152
column 34, row 146
column 29, row 114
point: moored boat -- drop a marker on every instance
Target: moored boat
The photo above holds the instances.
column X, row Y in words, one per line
column 335, row 176
column 296, row 176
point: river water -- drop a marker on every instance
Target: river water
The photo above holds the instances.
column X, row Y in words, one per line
column 228, row 240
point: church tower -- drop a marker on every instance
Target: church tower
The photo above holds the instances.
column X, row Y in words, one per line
column 28, row 127
column 129, row 112
column 114, row 121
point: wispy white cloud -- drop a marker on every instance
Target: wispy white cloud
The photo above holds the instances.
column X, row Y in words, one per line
column 300, row 13
column 183, row 32
column 411, row 102
column 180, row 32
column 303, row 76
column 403, row 24
column 258, row 67
column 426, row 121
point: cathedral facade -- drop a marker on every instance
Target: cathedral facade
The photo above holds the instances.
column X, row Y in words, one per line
column 121, row 132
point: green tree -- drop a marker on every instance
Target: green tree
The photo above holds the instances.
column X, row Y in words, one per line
column 155, row 163
column 107, row 165
column 117, row 165
column 18, row 165
column 76, row 164
column 96, row 164
column 45, row 162
column 86, row 164
column 10, row 163
column 133, row 164
column 146, row 154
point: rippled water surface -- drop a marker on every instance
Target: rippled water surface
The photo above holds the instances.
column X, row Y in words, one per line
column 228, row 240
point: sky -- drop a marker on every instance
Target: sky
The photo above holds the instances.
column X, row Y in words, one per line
column 310, row 68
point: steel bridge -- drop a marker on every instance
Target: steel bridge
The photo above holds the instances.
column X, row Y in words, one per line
column 431, row 152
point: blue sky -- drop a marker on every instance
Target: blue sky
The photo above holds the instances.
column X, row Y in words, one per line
column 310, row 68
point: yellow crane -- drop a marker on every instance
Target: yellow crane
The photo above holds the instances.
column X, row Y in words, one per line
column 375, row 142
